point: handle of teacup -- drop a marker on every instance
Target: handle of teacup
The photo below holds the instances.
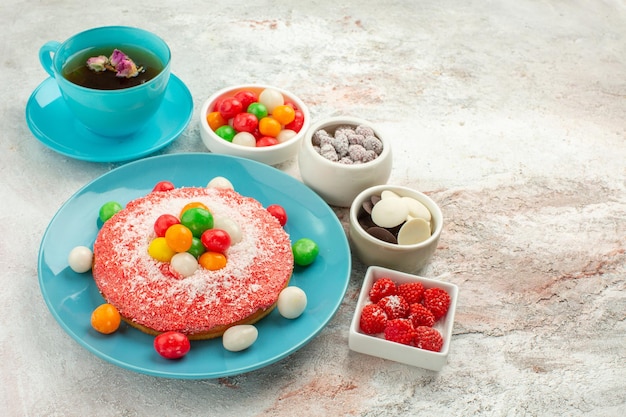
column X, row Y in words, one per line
column 46, row 53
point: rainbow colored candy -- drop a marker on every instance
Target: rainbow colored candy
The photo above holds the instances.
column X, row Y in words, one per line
column 249, row 120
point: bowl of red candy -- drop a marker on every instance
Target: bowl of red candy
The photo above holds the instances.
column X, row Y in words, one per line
column 404, row 318
column 258, row 122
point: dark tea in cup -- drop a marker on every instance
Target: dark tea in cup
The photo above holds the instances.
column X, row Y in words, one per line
column 77, row 71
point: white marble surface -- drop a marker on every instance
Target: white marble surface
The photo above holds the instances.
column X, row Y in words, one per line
column 511, row 115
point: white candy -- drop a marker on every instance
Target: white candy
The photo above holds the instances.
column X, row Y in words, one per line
column 230, row 226
column 417, row 209
column 390, row 212
column 291, row 302
column 285, row 135
column 220, row 182
column 388, row 194
column 80, row 259
column 240, row 337
column 271, row 99
column 413, row 231
column 184, row 263
column 244, row 139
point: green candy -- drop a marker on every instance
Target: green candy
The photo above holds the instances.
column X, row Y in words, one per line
column 226, row 132
column 304, row 251
column 108, row 210
column 258, row 109
column 197, row 220
column 197, row 248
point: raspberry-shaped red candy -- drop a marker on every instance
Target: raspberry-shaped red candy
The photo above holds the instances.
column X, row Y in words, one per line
column 413, row 292
column 420, row 315
column 428, row 338
column 395, row 307
column 382, row 287
column 400, row 331
column 437, row 300
column 373, row 319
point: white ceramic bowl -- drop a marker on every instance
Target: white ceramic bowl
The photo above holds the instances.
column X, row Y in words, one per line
column 376, row 345
column 270, row 155
column 406, row 258
column 338, row 184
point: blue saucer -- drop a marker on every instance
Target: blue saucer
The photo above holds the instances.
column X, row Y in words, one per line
column 51, row 121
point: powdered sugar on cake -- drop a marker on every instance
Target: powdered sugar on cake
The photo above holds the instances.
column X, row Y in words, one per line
column 150, row 293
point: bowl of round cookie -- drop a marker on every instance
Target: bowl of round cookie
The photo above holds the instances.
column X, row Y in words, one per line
column 255, row 121
column 404, row 317
column 395, row 227
column 341, row 156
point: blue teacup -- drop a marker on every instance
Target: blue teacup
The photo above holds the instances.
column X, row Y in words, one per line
column 114, row 113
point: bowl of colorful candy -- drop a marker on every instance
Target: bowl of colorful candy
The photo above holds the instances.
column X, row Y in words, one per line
column 404, row 318
column 395, row 227
column 258, row 122
column 341, row 156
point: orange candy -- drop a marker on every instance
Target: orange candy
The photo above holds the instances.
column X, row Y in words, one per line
column 284, row 114
column 106, row 319
column 212, row 261
column 179, row 238
column 193, row 204
column 215, row 120
column 268, row 126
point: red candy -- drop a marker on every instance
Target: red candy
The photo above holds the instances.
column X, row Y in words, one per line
column 278, row 212
column 266, row 141
column 163, row 222
column 163, row 186
column 297, row 122
column 245, row 122
column 246, row 97
column 257, row 135
column 229, row 107
column 216, row 240
column 172, row 345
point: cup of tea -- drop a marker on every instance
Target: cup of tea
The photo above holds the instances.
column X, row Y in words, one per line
column 113, row 78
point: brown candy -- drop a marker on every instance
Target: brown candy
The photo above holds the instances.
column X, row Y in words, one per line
column 383, row 234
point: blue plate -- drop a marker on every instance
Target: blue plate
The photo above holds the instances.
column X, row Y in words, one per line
column 71, row 297
column 51, row 121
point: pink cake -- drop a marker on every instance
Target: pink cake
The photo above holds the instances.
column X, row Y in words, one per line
column 151, row 296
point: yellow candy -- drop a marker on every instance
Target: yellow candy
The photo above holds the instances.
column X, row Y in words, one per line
column 160, row 250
